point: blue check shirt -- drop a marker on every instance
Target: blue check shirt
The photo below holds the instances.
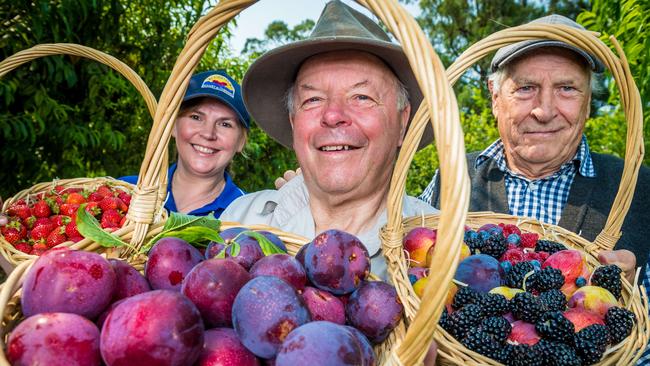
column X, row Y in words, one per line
column 542, row 199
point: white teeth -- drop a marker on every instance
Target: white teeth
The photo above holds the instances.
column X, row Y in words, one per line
column 204, row 150
column 335, row 148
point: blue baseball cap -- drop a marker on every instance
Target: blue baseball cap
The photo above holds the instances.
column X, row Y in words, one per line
column 219, row 85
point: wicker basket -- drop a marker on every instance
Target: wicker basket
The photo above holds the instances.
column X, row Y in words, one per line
column 7, row 250
column 450, row 350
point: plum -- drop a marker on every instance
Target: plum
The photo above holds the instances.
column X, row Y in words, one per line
column 282, row 266
column 54, row 339
column 300, row 256
column 222, row 347
column 368, row 354
column 213, row 249
column 68, row 281
column 324, row 306
column 212, row 286
column 481, row 272
column 337, row 262
column 249, row 250
column 159, row 327
column 129, row 281
column 229, row 234
column 265, row 311
column 170, row 260
column 374, row 309
column 320, row 343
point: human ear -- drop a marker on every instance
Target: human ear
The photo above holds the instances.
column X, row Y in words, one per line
column 404, row 120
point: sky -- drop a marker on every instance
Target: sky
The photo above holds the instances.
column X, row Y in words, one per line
column 252, row 22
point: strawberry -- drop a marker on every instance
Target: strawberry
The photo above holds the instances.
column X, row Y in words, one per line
column 41, row 209
column 93, row 208
column 95, row 197
column 60, row 220
column 75, row 197
column 121, row 206
column 71, row 230
column 29, row 222
column 111, row 203
column 42, row 221
column 41, row 232
column 54, row 205
column 123, row 221
column 104, row 191
column 39, row 248
column 56, row 237
column 528, row 240
column 24, row 247
column 11, row 234
column 110, row 218
column 125, row 197
column 76, row 239
column 69, row 209
column 21, row 210
column 59, row 189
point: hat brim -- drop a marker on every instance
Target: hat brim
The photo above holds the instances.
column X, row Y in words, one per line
column 267, row 80
column 222, row 100
column 518, row 49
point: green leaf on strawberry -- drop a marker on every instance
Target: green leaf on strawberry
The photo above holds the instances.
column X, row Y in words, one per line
column 89, row 227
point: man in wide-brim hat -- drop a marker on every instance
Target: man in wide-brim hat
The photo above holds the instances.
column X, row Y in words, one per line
column 342, row 99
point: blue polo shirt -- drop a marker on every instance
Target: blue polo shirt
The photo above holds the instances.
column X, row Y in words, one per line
column 230, row 193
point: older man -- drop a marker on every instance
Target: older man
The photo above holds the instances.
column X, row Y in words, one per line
column 347, row 108
column 542, row 167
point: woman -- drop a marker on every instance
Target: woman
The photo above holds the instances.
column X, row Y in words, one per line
column 211, row 127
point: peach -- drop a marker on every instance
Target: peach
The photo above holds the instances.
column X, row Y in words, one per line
column 419, row 286
column 506, row 291
column 524, row 333
column 572, row 263
column 582, row 318
column 417, row 243
column 593, row 298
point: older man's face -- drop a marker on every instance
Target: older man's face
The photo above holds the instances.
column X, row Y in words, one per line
column 541, row 110
column 346, row 125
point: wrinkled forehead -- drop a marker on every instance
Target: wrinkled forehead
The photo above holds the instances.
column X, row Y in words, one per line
column 331, row 62
column 542, row 54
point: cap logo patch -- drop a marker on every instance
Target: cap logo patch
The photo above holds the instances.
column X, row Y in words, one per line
column 220, row 83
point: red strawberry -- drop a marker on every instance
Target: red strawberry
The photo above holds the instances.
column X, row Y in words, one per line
column 54, row 205
column 75, row 197
column 69, row 209
column 125, row 197
column 42, row 221
column 104, row 191
column 93, row 208
column 24, row 247
column 56, row 237
column 121, row 206
column 41, row 231
column 59, row 189
column 41, row 209
column 123, row 221
column 110, row 218
column 76, row 239
column 11, row 234
column 109, row 203
column 95, row 197
column 29, row 222
column 60, row 220
column 528, row 240
column 39, row 248
column 21, row 210
column 71, row 230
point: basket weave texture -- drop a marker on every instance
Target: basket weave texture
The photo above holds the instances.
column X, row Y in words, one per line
column 429, row 308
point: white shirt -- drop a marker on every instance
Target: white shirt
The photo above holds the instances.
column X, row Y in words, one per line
column 288, row 210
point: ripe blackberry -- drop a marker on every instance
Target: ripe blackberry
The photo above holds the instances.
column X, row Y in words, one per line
column 495, row 245
column 619, row 322
column 555, row 327
column 461, row 321
column 588, row 352
column 520, row 355
column 473, row 241
column 515, row 277
column 548, row 278
column 553, row 300
column 496, row 326
column 494, row 304
column 549, row 246
column 526, row 306
column 464, row 296
column 596, row 333
column 558, row 354
column 482, row 343
column 609, row 278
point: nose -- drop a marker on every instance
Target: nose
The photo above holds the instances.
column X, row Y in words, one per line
column 334, row 114
column 544, row 109
column 209, row 130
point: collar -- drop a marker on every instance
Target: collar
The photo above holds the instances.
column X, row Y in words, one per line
column 582, row 158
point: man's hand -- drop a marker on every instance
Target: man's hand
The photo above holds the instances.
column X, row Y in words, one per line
column 622, row 258
column 287, row 176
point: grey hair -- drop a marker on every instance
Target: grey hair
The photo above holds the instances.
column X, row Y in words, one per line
column 498, row 76
column 402, row 97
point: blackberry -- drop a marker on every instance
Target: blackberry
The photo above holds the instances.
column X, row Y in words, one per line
column 495, row 245
column 553, row 300
column 464, row 296
column 461, row 321
column 596, row 333
column 520, row 355
column 555, row 327
column 558, row 354
column 515, row 277
column 619, row 322
column 609, row 278
column 548, row 278
column 549, row 246
column 443, row 318
column 494, row 304
column 526, row 306
column 482, row 343
column 496, row 326
column 473, row 241
column 588, row 352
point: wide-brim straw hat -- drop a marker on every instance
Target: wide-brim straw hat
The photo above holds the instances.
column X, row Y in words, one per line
column 339, row 28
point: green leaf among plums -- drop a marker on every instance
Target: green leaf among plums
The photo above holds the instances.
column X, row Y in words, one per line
column 193, row 229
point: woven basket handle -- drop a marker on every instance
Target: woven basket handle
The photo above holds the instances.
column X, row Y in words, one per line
column 630, row 100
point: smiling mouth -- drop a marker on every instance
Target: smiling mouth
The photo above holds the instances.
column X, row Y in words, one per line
column 204, row 150
column 337, row 148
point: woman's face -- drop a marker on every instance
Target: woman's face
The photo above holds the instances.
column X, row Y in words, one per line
column 208, row 134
